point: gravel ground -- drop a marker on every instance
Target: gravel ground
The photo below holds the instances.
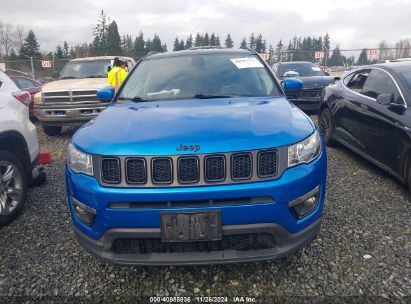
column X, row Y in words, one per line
column 361, row 255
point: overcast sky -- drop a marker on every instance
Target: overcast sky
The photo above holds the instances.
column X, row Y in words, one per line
column 350, row 23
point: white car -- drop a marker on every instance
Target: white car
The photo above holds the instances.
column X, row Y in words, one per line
column 19, row 149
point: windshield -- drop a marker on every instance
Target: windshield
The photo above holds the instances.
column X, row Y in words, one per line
column 199, row 76
column 299, row 70
column 85, row 69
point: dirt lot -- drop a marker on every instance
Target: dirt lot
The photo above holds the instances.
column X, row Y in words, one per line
column 361, row 255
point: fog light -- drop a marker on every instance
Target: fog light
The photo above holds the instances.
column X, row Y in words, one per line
column 305, row 204
column 84, row 213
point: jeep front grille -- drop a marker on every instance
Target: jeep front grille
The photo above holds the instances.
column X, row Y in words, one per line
column 214, row 168
column 162, row 170
column 267, row 163
column 191, row 170
column 242, row 166
column 110, row 168
column 70, row 96
column 136, row 171
column 188, row 170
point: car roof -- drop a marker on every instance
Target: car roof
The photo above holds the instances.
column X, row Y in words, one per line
column 201, row 51
column 401, row 66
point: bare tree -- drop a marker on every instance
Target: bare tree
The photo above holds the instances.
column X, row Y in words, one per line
column 6, row 38
column 19, row 37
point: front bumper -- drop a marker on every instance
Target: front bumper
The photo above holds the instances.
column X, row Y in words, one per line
column 286, row 243
column 78, row 114
column 271, row 217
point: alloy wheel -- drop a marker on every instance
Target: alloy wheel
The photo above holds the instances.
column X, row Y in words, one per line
column 11, row 187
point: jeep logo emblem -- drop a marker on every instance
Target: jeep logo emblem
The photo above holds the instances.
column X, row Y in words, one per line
column 193, row 148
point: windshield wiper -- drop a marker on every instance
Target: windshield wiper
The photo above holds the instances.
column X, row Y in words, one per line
column 207, row 96
column 95, row 76
column 135, row 99
column 68, row 77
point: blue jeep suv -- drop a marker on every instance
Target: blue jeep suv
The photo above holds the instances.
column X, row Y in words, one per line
column 199, row 159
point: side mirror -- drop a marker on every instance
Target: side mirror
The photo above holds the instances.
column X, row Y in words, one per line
column 292, row 85
column 385, row 99
column 105, row 94
column 336, row 79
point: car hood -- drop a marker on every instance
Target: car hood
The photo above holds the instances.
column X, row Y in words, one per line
column 71, row 84
column 218, row 125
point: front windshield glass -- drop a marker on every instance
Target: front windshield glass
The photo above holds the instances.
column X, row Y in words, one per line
column 299, row 70
column 85, row 69
column 199, row 76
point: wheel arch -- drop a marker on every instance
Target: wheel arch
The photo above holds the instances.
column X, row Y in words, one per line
column 15, row 143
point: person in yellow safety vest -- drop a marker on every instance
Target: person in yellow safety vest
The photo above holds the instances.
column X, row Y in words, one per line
column 118, row 73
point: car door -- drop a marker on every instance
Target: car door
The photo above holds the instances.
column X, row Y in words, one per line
column 381, row 129
column 349, row 109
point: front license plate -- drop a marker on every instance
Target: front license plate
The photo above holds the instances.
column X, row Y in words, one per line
column 191, row 226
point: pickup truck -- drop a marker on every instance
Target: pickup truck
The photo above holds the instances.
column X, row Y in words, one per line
column 72, row 99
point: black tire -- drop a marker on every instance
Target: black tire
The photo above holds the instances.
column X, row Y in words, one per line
column 13, row 187
column 52, row 130
column 326, row 126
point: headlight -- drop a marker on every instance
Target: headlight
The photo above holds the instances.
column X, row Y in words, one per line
column 304, row 151
column 38, row 98
column 78, row 161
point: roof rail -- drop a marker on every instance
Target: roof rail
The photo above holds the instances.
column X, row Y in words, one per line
column 207, row 47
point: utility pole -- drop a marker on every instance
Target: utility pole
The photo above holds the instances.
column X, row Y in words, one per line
column 32, row 67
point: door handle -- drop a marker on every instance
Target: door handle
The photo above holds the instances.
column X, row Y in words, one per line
column 364, row 106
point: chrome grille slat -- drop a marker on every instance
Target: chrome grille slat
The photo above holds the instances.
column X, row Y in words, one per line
column 70, row 96
column 167, row 173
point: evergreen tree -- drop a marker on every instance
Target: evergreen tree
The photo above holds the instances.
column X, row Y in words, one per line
column 65, row 50
column 72, row 53
column 243, row 44
column 279, row 50
column 59, row 54
column 139, row 46
column 336, row 58
column 228, row 42
column 176, row 45
column 148, row 47
column 99, row 45
column 252, row 42
column 199, row 40
column 164, row 47
column 217, row 41
column 326, row 47
column 182, row 46
column 213, row 40
column 30, row 47
column 206, row 40
column 156, row 44
column 363, row 58
column 271, row 58
column 189, row 42
column 113, row 40
column 260, row 46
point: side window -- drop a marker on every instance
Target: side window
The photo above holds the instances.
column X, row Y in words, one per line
column 379, row 83
column 347, row 78
column 25, row 83
column 356, row 83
